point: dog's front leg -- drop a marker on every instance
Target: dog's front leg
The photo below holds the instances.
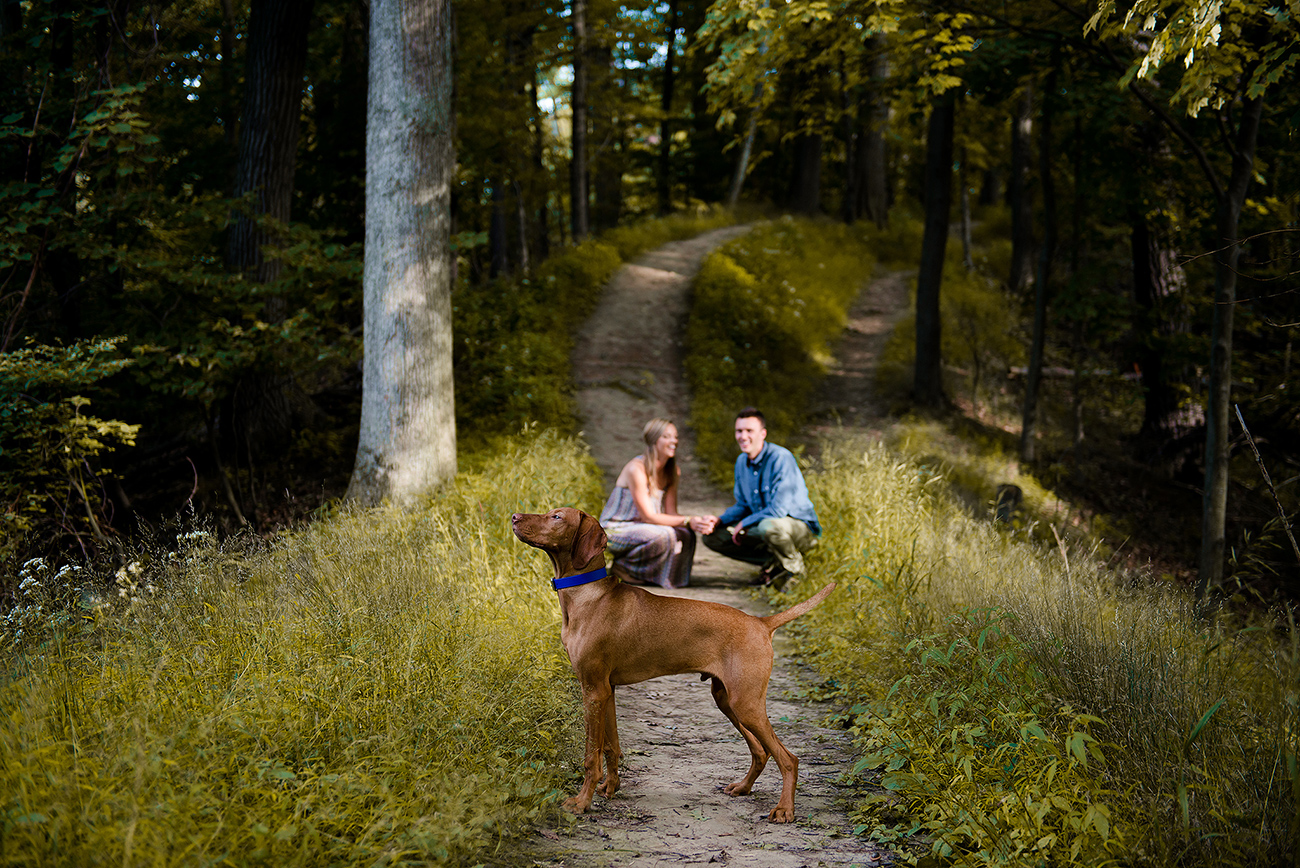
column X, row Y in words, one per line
column 595, row 696
column 609, row 786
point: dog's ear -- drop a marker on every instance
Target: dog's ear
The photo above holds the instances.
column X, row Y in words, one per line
column 589, row 541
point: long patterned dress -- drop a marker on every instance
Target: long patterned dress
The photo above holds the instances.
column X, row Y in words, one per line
column 651, row 554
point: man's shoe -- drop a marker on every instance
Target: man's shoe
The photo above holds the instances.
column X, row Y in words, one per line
column 779, row 577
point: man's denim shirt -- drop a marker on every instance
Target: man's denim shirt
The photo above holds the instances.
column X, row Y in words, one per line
column 770, row 487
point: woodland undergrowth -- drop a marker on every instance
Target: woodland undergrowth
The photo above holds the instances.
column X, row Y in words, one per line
column 1014, row 699
column 379, row 686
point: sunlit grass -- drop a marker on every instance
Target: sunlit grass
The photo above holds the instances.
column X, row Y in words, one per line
column 380, row 686
column 1030, row 705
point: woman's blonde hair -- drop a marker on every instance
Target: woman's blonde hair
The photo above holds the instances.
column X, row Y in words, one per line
column 653, row 430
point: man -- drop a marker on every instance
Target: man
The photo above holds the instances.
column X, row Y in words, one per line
column 772, row 522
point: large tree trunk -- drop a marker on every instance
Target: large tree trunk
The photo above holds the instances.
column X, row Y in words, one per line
column 874, row 157
column 848, row 122
column 665, row 180
column 927, row 384
column 578, row 163
column 408, row 424
column 1033, row 377
column 262, row 410
column 1019, row 196
column 268, row 134
column 1158, row 280
column 1230, row 202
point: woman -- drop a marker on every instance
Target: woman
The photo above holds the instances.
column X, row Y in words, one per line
column 651, row 543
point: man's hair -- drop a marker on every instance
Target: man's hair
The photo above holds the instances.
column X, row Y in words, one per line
column 752, row 413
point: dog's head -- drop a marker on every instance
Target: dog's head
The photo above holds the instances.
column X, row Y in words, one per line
column 572, row 538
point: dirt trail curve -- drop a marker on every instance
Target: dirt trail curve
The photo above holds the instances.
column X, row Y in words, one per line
column 679, row 750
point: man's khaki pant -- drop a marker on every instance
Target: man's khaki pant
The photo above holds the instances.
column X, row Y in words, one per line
column 785, row 539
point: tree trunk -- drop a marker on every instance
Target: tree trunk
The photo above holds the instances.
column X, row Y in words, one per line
column 578, row 164
column 875, row 162
column 665, row 180
column 963, row 179
column 1033, row 377
column 848, row 204
column 1019, row 196
column 268, row 134
column 1230, row 202
column 927, row 385
column 408, row 425
column 498, row 260
column 806, row 180
column 1157, row 280
column 541, row 189
column 742, row 162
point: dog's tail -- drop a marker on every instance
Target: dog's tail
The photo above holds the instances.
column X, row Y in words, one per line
column 774, row 621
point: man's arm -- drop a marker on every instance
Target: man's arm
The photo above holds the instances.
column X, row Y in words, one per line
column 741, row 507
column 782, row 490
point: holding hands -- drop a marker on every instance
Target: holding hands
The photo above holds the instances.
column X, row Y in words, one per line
column 703, row 524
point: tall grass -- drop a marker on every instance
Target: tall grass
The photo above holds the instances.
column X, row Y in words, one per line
column 381, row 686
column 1028, row 706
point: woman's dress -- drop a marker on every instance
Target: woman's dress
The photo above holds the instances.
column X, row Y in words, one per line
column 649, row 554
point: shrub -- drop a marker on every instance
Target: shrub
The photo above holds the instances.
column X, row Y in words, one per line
column 766, row 310
column 50, row 451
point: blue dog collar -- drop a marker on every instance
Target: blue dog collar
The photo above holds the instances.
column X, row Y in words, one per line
column 580, row 579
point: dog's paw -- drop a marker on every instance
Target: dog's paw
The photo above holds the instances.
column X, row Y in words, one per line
column 576, row 805
column 781, row 814
column 739, row 788
column 608, row 787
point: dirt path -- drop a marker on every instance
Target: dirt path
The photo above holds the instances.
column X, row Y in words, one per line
column 680, row 751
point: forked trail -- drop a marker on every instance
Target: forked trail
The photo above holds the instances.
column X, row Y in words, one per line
column 680, row 752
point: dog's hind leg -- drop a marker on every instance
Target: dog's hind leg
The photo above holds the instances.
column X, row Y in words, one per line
column 751, row 711
column 757, row 754
column 609, row 786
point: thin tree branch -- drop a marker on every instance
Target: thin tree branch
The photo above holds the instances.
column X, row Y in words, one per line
column 1286, row 523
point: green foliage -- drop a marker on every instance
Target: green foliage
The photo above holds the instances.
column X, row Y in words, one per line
column 767, row 309
column 514, row 339
column 49, row 449
column 1025, row 705
column 1249, row 42
column 381, row 683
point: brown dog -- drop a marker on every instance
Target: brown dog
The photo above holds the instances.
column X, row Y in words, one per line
column 619, row 634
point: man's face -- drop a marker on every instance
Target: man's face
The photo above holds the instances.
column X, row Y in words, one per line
column 750, row 435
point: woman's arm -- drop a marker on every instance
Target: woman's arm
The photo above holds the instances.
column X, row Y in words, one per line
column 640, row 489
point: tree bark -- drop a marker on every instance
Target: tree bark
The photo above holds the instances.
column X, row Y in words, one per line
column 268, row 134
column 665, row 180
column 1019, row 196
column 742, row 161
column 849, row 202
column 1229, row 205
column 963, row 180
column 1033, row 377
column 1157, row 280
column 875, row 157
column 927, row 384
column 578, row 163
column 408, row 426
